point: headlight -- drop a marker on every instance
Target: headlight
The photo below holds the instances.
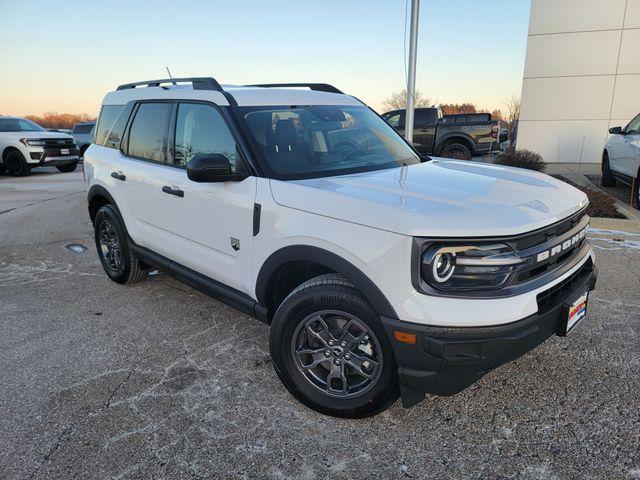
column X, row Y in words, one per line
column 33, row 143
column 469, row 267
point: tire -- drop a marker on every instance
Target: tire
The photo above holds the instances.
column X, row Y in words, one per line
column 67, row 167
column 332, row 307
column 636, row 192
column 113, row 248
column 607, row 177
column 456, row 150
column 82, row 150
column 16, row 165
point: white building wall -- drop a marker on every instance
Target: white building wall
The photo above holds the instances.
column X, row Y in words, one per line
column 581, row 76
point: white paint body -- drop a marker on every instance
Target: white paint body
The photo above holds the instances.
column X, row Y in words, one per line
column 368, row 219
column 624, row 150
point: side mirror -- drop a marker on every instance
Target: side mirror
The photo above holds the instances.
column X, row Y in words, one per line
column 211, row 168
column 615, row 130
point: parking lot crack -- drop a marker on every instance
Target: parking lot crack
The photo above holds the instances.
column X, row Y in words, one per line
column 121, row 384
column 62, row 438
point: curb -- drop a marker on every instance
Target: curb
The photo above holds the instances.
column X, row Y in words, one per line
column 615, row 225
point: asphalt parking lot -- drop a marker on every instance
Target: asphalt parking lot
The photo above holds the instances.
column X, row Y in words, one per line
column 156, row 380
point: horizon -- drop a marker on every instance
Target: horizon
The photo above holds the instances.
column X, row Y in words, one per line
column 117, row 50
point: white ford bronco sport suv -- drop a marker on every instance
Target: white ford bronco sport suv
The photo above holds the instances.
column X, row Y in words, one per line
column 25, row 145
column 380, row 272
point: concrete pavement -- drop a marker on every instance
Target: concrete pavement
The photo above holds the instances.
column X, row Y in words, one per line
column 157, row 380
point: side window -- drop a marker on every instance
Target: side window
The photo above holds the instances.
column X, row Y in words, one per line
column 148, row 132
column 110, row 128
column 425, row 117
column 394, row 120
column 201, row 130
column 634, row 126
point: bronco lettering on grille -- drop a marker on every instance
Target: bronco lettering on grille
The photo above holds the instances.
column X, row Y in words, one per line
column 561, row 247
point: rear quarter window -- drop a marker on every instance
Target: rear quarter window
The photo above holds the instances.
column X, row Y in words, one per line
column 111, row 124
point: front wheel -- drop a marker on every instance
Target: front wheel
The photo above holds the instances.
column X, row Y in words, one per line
column 636, row 192
column 16, row 165
column 67, row 167
column 607, row 177
column 331, row 351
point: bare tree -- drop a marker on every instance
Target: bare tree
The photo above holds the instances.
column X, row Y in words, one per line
column 513, row 114
column 454, row 108
column 398, row 100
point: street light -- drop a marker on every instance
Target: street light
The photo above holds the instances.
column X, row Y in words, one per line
column 411, row 81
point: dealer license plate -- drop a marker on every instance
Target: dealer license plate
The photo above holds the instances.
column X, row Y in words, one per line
column 576, row 312
column 64, row 151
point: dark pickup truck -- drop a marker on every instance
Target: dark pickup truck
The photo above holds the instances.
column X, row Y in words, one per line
column 460, row 135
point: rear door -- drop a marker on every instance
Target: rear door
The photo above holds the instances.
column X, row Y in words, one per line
column 207, row 227
column 143, row 152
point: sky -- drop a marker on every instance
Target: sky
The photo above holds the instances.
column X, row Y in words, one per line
column 64, row 56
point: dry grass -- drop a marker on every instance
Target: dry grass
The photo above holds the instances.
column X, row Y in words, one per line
column 601, row 204
column 521, row 158
column 60, row 120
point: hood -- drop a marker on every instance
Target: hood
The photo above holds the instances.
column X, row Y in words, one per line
column 47, row 134
column 439, row 198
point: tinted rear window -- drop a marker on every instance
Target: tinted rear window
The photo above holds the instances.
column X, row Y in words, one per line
column 86, row 128
column 148, row 135
column 113, row 119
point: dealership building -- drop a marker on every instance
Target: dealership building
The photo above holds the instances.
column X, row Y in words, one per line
column 581, row 76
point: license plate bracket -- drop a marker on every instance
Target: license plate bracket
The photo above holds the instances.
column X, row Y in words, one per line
column 573, row 313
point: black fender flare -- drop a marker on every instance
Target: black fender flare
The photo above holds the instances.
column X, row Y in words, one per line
column 466, row 139
column 100, row 191
column 327, row 259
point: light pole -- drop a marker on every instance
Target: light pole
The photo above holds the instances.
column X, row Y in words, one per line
column 411, row 81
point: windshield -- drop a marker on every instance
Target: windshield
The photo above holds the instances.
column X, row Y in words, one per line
column 19, row 125
column 320, row 141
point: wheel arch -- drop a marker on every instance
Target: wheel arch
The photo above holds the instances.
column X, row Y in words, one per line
column 98, row 196
column 457, row 137
column 8, row 149
column 318, row 262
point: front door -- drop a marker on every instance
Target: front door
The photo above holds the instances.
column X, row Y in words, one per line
column 631, row 161
column 207, row 227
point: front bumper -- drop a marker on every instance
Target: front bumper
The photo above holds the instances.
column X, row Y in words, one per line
column 52, row 156
column 446, row 360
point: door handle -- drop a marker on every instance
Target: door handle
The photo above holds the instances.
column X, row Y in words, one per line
column 173, row 191
column 118, row 176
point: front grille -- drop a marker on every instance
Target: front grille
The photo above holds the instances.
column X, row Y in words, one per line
column 57, row 152
column 540, row 236
column 557, row 294
column 545, row 239
column 59, row 143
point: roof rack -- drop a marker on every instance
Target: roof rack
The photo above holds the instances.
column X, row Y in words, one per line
column 199, row 83
column 320, row 87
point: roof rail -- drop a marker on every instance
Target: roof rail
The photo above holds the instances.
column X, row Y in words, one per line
column 320, row 87
column 199, row 83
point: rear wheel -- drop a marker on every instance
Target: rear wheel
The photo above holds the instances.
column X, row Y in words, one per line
column 16, row 165
column 330, row 350
column 112, row 243
column 456, row 150
column 607, row 177
column 67, row 167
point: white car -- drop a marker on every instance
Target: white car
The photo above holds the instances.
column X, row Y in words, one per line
column 25, row 145
column 380, row 272
column 621, row 157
